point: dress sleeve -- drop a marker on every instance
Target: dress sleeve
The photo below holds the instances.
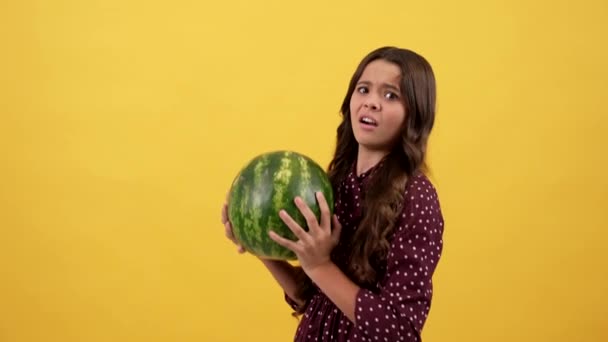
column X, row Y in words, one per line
column 399, row 310
column 309, row 291
column 292, row 303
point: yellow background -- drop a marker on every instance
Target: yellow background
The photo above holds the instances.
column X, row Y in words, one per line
column 123, row 123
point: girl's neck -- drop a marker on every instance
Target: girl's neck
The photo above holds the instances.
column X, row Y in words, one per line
column 366, row 159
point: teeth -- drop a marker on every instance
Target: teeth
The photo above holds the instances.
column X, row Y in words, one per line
column 368, row 121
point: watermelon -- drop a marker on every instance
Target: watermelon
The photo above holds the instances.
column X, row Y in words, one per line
column 266, row 184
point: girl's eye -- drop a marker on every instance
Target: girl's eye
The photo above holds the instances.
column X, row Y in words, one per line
column 391, row 96
column 362, row 90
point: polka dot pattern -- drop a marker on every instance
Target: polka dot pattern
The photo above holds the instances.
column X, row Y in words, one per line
column 397, row 307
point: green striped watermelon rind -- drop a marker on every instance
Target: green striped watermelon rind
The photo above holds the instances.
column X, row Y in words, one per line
column 256, row 184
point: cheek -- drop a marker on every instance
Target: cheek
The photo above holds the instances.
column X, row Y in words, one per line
column 397, row 121
column 397, row 114
column 353, row 104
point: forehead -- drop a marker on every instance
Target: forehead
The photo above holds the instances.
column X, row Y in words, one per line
column 381, row 71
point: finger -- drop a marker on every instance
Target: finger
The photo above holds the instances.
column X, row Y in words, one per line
column 230, row 235
column 325, row 214
column 292, row 245
column 228, row 231
column 294, row 226
column 337, row 229
column 335, row 221
column 225, row 207
column 309, row 215
column 224, row 213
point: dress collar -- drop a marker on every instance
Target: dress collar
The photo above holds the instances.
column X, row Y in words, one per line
column 365, row 175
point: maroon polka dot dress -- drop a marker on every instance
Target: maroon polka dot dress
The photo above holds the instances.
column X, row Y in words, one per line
column 397, row 307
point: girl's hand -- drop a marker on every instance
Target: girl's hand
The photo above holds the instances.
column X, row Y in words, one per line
column 312, row 248
column 228, row 228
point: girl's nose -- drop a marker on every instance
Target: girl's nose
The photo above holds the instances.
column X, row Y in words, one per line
column 372, row 104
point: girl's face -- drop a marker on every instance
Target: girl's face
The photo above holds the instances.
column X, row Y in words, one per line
column 377, row 111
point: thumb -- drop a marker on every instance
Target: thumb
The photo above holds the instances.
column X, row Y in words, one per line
column 337, row 229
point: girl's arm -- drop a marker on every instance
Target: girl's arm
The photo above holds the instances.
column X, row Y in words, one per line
column 337, row 287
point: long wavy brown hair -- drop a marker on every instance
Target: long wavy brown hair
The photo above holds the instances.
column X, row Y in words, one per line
column 383, row 201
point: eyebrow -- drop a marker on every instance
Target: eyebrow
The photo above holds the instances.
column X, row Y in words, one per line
column 385, row 85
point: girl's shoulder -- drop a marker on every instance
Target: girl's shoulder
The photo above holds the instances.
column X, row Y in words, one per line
column 420, row 184
column 421, row 198
column 421, row 212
